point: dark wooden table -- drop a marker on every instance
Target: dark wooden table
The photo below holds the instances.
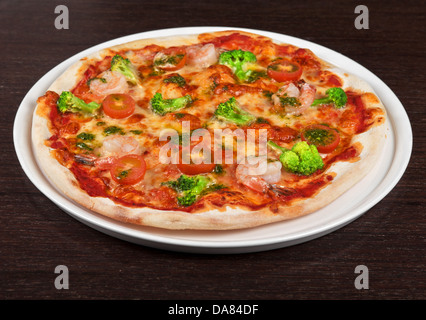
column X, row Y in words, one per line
column 36, row 236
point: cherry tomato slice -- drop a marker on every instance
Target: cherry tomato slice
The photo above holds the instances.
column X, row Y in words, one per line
column 170, row 59
column 129, row 169
column 284, row 70
column 194, row 168
column 118, row 105
column 324, row 138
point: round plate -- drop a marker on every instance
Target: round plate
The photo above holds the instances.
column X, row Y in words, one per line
column 351, row 205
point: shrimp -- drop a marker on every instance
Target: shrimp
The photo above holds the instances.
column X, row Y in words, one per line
column 120, row 145
column 307, row 95
column 304, row 95
column 171, row 90
column 290, row 90
column 213, row 75
column 202, row 55
column 109, row 82
column 252, row 176
column 113, row 147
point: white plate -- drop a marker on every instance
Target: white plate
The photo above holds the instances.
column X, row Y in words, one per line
column 351, row 205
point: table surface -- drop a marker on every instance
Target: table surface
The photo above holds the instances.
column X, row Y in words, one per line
column 36, row 236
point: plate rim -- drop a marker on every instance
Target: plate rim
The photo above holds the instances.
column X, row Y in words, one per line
column 401, row 158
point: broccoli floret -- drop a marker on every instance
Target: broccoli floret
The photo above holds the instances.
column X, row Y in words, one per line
column 231, row 111
column 334, row 95
column 188, row 188
column 69, row 102
column 125, row 67
column 290, row 161
column 310, row 160
column 302, row 158
column 163, row 106
column 238, row 60
column 182, row 183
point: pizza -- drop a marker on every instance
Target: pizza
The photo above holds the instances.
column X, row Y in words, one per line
column 213, row 131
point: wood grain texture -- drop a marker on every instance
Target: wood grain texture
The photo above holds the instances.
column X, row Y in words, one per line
column 36, row 236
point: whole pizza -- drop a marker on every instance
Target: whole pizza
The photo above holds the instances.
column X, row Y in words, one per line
column 212, row 131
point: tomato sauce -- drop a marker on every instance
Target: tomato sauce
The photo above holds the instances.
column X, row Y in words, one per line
column 56, row 120
column 358, row 114
column 55, row 143
column 334, row 81
column 306, row 59
column 128, row 196
column 94, row 186
column 306, row 191
column 235, row 41
column 284, row 50
column 276, row 133
column 348, row 154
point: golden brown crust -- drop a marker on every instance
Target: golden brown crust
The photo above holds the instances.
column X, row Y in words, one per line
column 346, row 174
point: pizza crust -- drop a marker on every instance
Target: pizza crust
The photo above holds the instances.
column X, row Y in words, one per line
column 347, row 174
